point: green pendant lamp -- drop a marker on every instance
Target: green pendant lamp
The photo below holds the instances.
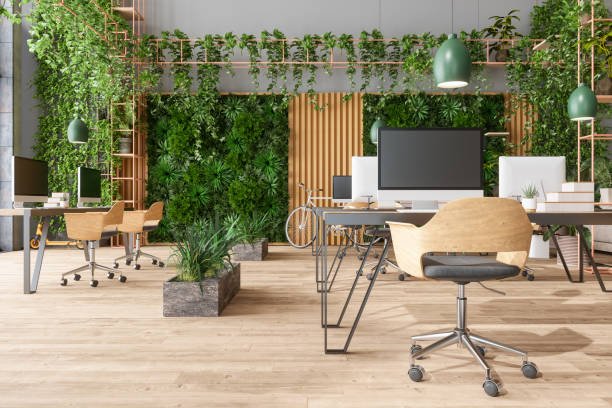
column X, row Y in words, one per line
column 78, row 132
column 452, row 64
column 582, row 104
column 378, row 123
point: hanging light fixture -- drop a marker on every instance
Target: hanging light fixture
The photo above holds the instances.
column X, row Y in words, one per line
column 582, row 104
column 378, row 123
column 452, row 64
column 78, row 132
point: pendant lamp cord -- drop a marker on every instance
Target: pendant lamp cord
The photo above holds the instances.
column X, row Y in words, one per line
column 452, row 16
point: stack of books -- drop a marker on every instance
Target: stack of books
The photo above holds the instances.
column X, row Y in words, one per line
column 58, row 200
column 573, row 197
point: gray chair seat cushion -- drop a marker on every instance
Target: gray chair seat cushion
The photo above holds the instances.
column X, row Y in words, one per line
column 379, row 232
column 464, row 269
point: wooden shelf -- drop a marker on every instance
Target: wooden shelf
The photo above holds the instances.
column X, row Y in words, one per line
column 129, row 13
column 127, row 155
column 604, row 98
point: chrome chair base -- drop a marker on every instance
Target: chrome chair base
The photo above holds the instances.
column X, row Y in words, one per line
column 474, row 343
column 92, row 265
column 134, row 256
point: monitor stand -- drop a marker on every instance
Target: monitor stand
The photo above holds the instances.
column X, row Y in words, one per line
column 424, row 205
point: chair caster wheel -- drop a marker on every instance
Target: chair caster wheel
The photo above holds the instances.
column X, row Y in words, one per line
column 360, row 257
column 122, row 279
column 128, row 262
column 64, row 282
column 369, row 276
column 530, row 277
column 524, row 273
column 401, row 277
column 116, row 265
column 154, row 262
column 416, row 348
column 529, row 369
column 416, row 373
column 376, row 256
column 110, row 275
column 76, row 277
column 93, row 283
column 491, row 387
column 481, row 350
column 161, row 264
column 137, row 266
column 383, row 270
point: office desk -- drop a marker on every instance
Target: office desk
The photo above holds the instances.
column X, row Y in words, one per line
column 336, row 216
column 30, row 285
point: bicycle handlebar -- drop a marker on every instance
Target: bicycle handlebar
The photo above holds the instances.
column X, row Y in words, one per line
column 302, row 185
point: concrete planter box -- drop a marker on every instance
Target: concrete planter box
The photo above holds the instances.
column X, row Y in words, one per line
column 201, row 299
column 250, row 252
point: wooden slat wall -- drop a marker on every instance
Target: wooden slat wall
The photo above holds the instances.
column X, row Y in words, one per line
column 518, row 126
column 321, row 143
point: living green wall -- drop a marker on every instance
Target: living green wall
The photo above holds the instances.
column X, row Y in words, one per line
column 442, row 111
column 240, row 169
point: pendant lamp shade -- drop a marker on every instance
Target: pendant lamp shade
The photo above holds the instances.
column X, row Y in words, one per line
column 452, row 64
column 378, row 123
column 78, row 131
column 582, row 104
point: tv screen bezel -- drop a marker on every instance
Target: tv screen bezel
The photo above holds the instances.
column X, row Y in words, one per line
column 481, row 156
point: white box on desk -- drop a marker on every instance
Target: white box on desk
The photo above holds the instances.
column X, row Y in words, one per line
column 577, row 187
column 574, row 197
column 565, row 207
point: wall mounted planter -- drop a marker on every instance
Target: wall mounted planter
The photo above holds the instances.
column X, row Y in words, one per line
column 201, row 299
column 125, row 145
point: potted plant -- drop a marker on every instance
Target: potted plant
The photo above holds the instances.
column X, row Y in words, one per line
column 529, row 198
column 601, row 44
column 207, row 280
column 254, row 245
column 603, row 177
column 567, row 238
column 503, row 28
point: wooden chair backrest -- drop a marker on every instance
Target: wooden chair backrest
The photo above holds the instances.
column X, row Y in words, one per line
column 114, row 216
column 155, row 211
column 498, row 225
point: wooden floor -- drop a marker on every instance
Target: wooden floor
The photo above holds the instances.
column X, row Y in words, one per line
column 109, row 346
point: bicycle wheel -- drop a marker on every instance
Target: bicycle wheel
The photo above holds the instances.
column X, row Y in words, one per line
column 299, row 227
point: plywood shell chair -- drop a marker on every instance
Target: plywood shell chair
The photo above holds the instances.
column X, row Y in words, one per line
column 472, row 225
column 90, row 228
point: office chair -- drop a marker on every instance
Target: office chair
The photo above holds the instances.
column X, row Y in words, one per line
column 136, row 223
column 472, row 225
column 90, row 228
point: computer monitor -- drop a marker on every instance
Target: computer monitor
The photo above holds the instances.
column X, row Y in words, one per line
column 341, row 189
column 364, row 183
column 545, row 173
column 89, row 186
column 30, row 181
column 429, row 165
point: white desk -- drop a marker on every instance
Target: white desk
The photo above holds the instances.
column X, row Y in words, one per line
column 30, row 285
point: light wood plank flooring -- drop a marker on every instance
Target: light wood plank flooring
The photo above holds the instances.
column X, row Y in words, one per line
column 109, row 347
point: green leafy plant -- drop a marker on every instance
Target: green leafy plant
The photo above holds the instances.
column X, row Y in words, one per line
column 530, row 191
column 503, row 28
column 203, row 249
column 565, row 230
column 252, row 227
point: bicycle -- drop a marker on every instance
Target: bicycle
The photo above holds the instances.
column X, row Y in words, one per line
column 302, row 223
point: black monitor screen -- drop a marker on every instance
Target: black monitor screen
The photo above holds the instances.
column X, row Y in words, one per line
column 430, row 159
column 90, row 183
column 342, row 188
column 30, row 177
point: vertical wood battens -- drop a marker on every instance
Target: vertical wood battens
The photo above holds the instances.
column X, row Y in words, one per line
column 321, row 144
column 521, row 115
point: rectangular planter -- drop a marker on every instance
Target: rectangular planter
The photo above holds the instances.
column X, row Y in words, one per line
column 250, row 252
column 201, row 299
column 569, row 247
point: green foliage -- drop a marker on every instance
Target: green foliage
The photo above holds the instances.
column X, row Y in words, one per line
column 73, row 79
column 243, row 170
column 12, row 16
column 546, row 78
column 203, row 249
column 251, row 227
column 443, row 111
column 530, row 191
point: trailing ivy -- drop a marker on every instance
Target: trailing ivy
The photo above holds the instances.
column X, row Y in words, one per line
column 445, row 111
column 73, row 78
column 243, row 171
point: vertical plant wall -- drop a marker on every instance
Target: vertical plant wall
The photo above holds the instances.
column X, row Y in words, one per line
column 74, row 79
column 240, row 168
column 443, row 111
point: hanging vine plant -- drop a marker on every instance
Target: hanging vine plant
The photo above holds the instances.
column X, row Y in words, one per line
column 249, row 43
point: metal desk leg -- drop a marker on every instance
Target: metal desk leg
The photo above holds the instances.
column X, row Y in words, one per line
column 602, row 285
column 27, row 215
column 343, row 350
column 324, row 286
column 40, row 254
column 340, row 254
column 560, row 253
